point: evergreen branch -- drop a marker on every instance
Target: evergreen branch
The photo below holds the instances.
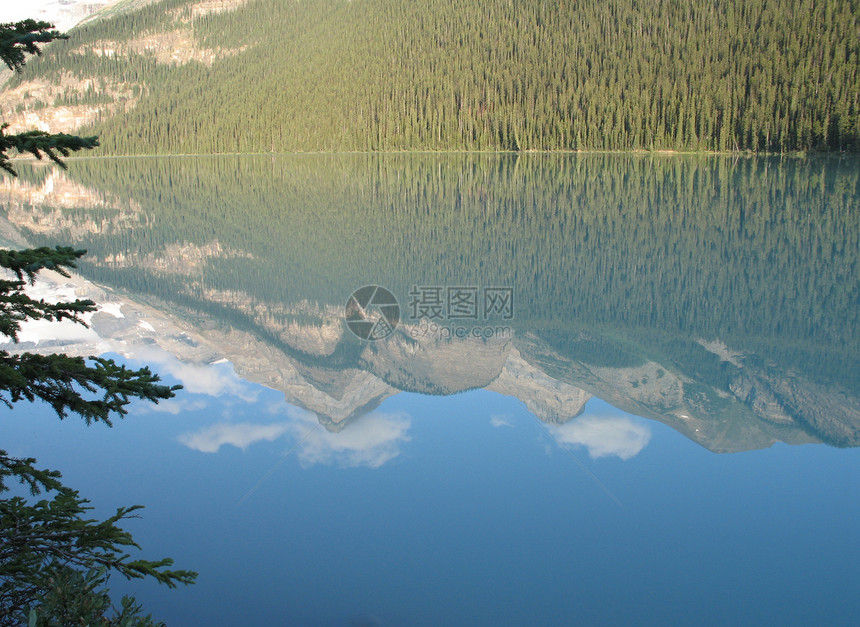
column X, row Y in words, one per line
column 28, row 262
column 61, row 381
column 18, row 39
column 43, row 545
column 40, row 542
column 24, row 471
column 16, row 306
column 40, row 144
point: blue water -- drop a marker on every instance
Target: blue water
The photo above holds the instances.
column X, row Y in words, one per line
column 459, row 510
column 716, row 295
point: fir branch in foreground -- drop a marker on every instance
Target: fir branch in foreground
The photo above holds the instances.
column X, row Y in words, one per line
column 43, row 541
column 92, row 390
column 18, row 39
column 41, row 144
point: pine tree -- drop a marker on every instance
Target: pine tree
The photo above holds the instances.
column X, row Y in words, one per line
column 16, row 41
column 54, row 560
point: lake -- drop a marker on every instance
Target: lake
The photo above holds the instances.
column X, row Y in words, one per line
column 468, row 389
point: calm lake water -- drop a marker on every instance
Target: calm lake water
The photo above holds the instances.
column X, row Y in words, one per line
column 580, row 390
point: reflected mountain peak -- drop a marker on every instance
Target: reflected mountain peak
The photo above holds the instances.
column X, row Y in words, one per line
column 552, row 401
column 436, row 365
column 718, row 295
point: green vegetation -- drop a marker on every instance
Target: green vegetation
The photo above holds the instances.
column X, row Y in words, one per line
column 16, row 41
column 333, row 75
column 54, row 560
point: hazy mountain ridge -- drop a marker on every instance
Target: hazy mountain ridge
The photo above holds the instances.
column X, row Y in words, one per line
column 70, row 101
column 63, row 14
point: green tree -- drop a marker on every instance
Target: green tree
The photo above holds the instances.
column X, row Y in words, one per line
column 16, row 41
column 55, row 561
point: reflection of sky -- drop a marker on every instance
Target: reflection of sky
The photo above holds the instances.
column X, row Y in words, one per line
column 214, row 380
column 448, row 510
column 604, row 434
column 371, row 440
column 241, row 435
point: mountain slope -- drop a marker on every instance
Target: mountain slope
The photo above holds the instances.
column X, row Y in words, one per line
column 180, row 76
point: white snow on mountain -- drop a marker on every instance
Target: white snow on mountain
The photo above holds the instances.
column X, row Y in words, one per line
column 62, row 13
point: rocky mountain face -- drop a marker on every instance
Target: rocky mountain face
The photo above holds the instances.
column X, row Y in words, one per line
column 760, row 410
column 53, row 104
column 720, row 394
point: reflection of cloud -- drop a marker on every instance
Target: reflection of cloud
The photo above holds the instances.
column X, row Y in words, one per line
column 209, row 379
column 500, row 420
column 371, row 440
column 175, row 406
column 240, row 435
column 604, row 435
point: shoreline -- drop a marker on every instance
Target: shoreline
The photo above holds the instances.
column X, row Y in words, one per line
column 632, row 153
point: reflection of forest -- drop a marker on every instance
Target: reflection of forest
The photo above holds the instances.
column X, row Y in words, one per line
column 737, row 276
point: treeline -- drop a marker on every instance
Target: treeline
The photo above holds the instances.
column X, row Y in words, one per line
column 332, row 75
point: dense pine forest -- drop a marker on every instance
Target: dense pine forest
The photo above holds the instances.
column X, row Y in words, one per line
column 333, row 75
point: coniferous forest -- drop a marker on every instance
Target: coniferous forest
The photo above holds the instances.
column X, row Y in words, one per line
column 333, row 75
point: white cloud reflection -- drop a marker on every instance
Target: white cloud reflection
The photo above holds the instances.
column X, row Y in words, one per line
column 500, row 420
column 209, row 379
column 604, row 435
column 240, row 434
column 175, row 406
column 370, row 440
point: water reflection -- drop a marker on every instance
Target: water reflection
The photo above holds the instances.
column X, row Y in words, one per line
column 241, row 435
column 718, row 296
column 604, row 435
column 371, row 441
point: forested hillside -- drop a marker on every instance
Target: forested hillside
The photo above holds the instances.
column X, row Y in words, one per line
column 333, row 75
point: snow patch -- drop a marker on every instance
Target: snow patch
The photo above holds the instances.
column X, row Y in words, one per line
column 112, row 309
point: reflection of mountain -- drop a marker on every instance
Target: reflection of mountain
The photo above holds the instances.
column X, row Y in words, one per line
column 760, row 407
column 719, row 297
